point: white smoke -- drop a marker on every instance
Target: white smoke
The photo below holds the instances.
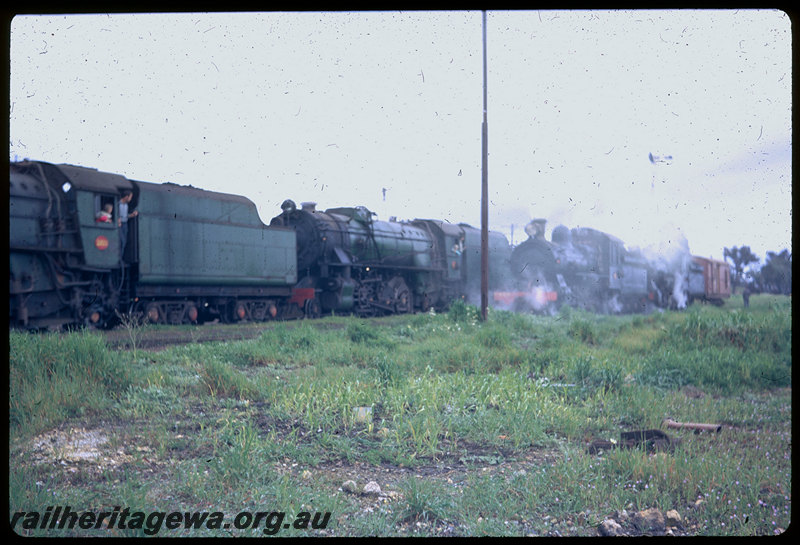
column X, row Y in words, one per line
column 672, row 248
column 614, row 306
column 679, row 289
column 538, row 298
column 672, row 256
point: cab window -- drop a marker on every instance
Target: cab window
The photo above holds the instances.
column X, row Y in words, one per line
column 104, row 210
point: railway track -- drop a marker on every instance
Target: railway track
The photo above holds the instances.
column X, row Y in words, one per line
column 161, row 337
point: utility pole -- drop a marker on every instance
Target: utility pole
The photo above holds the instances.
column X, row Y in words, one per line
column 484, row 191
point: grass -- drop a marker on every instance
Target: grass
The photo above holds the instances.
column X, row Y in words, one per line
column 475, row 429
column 53, row 378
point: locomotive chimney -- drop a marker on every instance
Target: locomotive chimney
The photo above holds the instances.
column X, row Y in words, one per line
column 308, row 206
column 535, row 229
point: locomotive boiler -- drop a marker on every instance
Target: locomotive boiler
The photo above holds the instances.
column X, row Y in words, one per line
column 607, row 278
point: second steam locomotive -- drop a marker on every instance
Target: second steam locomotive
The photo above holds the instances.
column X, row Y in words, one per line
column 358, row 264
column 191, row 256
column 586, row 268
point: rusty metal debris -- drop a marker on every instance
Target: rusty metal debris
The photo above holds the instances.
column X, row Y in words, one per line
column 652, row 440
column 692, row 426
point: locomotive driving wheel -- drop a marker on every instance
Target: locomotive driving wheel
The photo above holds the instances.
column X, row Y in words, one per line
column 398, row 295
column 312, row 309
column 363, row 296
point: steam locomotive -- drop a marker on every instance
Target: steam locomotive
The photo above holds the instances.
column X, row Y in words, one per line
column 192, row 255
column 368, row 267
column 586, row 268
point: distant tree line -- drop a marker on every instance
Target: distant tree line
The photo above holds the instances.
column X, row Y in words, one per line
column 775, row 276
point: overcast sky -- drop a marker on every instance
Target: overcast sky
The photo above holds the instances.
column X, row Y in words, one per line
column 384, row 109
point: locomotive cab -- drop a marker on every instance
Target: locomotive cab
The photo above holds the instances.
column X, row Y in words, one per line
column 61, row 258
column 91, row 191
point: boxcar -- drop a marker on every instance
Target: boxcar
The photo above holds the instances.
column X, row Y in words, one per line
column 716, row 279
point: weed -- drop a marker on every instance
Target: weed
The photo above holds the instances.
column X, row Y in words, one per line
column 494, row 336
column 140, row 402
column 239, row 462
column 221, row 380
column 53, row 377
column 387, row 369
column 135, row 324
column 424, row 501
column 583, row 330
column 463, row 313
column 361, row 333
column 583, row 369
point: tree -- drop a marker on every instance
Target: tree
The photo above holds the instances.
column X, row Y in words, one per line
column 776, row 274
column 740, row 258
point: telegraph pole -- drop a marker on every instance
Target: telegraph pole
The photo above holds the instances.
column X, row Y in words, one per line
column 484, row 191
